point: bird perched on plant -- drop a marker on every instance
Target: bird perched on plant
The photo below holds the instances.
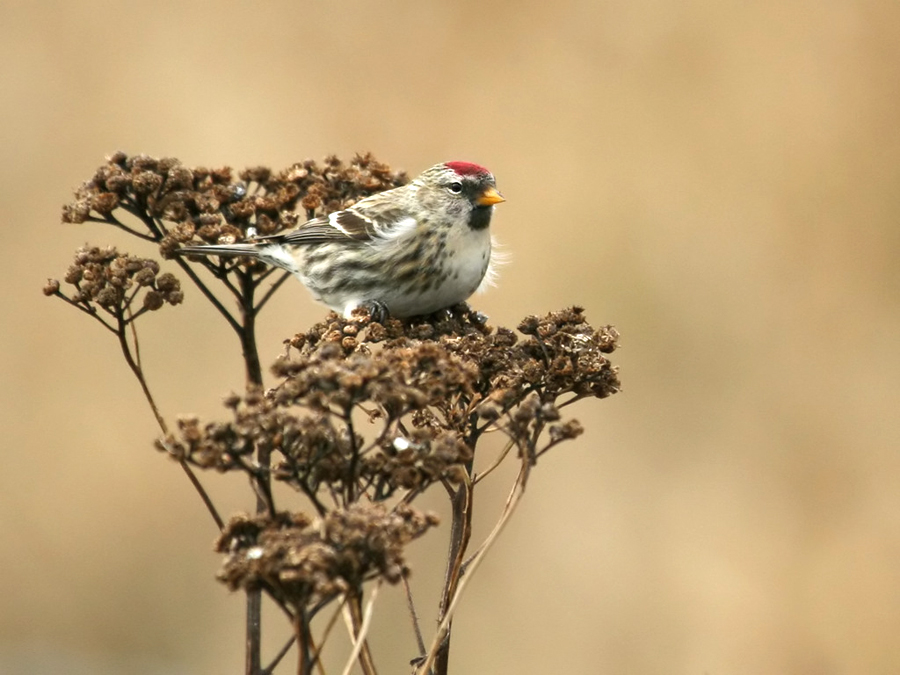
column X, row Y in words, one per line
column 413, row 250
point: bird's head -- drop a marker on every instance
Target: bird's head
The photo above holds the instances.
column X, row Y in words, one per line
column 464, row 190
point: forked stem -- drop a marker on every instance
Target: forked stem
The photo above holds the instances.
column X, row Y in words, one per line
column 443, row 631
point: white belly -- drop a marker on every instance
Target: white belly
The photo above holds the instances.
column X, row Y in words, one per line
column 466, row 265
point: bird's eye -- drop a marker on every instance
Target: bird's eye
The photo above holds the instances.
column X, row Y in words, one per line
column 455, row 187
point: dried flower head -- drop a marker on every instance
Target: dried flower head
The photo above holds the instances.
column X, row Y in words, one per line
column 429, row 388
column 120, row 285
column 175, row 204
column 305, row 562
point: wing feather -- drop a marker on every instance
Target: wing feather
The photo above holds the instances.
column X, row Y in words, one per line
column 338, row 226
column 350, row 224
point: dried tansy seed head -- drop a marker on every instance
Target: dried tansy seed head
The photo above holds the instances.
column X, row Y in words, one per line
column 426, row 400
column 106, row 278
column 305, row 562
column 105, row 202
column 174, row 203
column 429, row 388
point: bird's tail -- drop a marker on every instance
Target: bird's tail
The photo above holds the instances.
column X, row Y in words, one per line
column 222, row 250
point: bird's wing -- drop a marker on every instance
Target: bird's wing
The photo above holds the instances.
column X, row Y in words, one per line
column 362, row 223
column 337, row 226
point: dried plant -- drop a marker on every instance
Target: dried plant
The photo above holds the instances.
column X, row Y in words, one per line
column 363, row 417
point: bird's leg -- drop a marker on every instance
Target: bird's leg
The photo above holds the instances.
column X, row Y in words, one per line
column 378, row 311
column 473, row 315
column 478, row 317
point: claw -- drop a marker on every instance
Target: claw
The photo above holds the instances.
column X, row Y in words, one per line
column 478, row 318
column 474, row 316
column 378, row 311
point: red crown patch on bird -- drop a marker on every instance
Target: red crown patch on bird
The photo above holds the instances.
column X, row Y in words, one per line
column 467, row 168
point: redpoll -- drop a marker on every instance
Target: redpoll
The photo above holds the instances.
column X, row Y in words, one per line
column 412, row 250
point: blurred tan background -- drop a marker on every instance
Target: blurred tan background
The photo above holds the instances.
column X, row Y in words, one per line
column 721, row 181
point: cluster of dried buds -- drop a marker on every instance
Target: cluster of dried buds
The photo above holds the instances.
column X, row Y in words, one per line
column 217, row 206
column 428, row 390
column 305, row 562
column 123, row 286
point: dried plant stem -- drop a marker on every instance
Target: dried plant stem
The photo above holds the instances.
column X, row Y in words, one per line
column 90, row 311
column 414, row 616
column 353, row 610
column 264, row 502
column 248, row 330
column 253, row 661
column 203, row 494
column 301, row 634
column 316, row 656
column 134, row 363
column 460, row 534
column 271, row 290
column 209, row 295
column 279, row 656
column 497, row 462
column 358, row 631
column 512, row 501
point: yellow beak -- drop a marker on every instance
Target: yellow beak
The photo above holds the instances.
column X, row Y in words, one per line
column 489, row 197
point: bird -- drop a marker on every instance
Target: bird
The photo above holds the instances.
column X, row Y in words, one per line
column 409, row 251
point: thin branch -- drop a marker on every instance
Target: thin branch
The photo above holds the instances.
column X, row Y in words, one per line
column 551, row 444
column 444, row 628
column 221, row 273
column 382, row 435
column 414, row 616
column 115, row 222
column 246, row 332
column 359, row 636
column 203, row 494
column 503, row 453
column 310, row 493
column 135, row 364
column 316, row 656
column 575, row 398
column 460, row 534
column 412, row 494
column 301, row 631
column 505, row 410
column 186, row 267
column 269, row 272
column 280, row 655
column 89, row 311
column 140, row 312
column 138, row 373
column 134, row 336
column 140, row 212
column 350, row 481
column 271, row 290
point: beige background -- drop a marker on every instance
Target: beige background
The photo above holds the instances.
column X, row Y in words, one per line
column 721, row 181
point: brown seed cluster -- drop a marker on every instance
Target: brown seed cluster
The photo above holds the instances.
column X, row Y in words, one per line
column 423, row 391
column 176, row 204
column 305, row 562
column 116, row 282
column 364, row 410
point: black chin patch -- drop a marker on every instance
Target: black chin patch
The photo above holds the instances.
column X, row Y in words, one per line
column 481, row 217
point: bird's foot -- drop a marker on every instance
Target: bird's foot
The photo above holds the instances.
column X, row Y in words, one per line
column 472, row 315
column 378, row 311
column 478, row 318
